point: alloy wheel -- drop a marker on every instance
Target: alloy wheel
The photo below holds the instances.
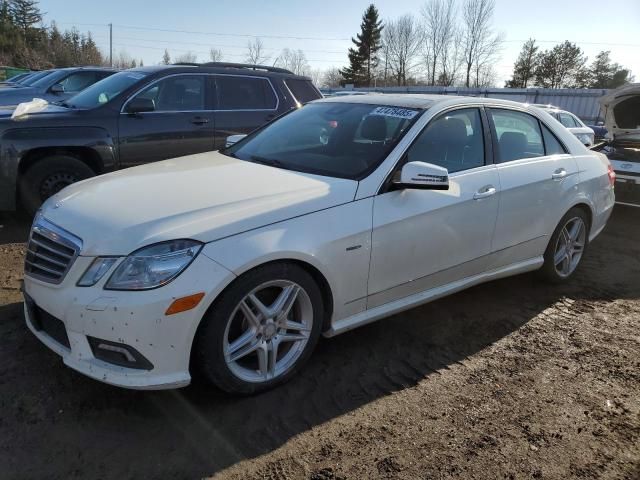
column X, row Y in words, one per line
column 570, row 246
column 268, row 330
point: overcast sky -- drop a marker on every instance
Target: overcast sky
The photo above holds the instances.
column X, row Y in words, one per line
column 323, row 29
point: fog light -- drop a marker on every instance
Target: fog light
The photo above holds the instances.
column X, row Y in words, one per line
column 118, row 354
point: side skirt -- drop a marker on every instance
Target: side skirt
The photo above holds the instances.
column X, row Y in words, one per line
column 391, row 308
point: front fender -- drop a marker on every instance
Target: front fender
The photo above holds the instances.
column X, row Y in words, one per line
column 16, row 143
column 336, row 242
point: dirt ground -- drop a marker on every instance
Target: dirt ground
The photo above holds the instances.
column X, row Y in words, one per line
column 512, row 379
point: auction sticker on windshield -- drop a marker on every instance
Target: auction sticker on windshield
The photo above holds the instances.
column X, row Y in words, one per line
column 395, row 112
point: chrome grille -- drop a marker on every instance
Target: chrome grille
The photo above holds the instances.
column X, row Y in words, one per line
column 51, row 251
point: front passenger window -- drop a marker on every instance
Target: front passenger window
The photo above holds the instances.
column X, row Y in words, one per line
column 181, row 93
column 453, row 140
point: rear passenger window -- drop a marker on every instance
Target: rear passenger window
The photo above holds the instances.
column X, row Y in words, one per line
column 551, row 144
column 244, row 93
column 518, row 135
column 303, row 90
column 454, row 141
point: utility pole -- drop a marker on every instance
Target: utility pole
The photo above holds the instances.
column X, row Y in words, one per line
column 111, row 45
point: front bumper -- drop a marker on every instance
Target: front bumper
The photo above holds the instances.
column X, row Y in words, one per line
column 135, row 319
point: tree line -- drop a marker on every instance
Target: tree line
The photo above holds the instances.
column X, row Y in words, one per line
column 451, row 42
column 565, row 66
column 25, row 43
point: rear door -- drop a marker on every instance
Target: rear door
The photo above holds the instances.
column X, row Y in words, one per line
column 243, row 103
column 537, row 176
column 181, row 124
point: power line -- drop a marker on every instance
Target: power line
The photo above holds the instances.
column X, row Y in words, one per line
column 192, row 32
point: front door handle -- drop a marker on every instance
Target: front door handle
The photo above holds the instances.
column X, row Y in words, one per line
column 485, row 192
column 199, row 120
column 559, row 174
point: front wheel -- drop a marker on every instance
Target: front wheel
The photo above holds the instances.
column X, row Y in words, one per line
column 261, row 330
column 567, row 246
column 47, row 177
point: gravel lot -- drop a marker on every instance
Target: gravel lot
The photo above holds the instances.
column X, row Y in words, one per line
column 512, row 379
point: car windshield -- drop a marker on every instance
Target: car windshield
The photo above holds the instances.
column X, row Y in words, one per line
column 35, row 77
column 101, row 92
column 47, row 80
column 345, row 140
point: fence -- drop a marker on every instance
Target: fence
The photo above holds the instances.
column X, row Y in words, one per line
column 581, row 102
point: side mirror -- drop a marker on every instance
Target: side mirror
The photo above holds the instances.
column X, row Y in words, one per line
column 140, row 105
column 231, row 139
column 424, row 176
column 57, row 88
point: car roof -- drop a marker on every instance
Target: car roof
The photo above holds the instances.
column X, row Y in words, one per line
column 236, row 69
column 414, row 100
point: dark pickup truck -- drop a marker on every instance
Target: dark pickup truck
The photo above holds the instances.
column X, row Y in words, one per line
column 138, row 116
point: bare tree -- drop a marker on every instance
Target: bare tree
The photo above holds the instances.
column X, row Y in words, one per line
column 480, row 45
column 402, row 41
column 256, row 54
column 439, row 18
column 215, row 54
column 187, row 57
column 331, row 78
column 316, row 75
column 294, row 60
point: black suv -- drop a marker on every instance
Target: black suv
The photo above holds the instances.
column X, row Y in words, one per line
column 138, row 116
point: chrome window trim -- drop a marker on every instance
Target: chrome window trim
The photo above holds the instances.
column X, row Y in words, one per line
column 57, row 234
column 205, row 74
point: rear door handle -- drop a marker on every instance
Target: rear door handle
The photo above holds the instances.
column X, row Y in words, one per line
column 485, row 192
column 199, row 120
column 559, row 174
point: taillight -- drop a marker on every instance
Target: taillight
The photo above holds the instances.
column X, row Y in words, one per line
column 612, row 175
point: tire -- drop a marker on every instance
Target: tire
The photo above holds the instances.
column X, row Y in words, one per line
column 559, row 263
column 47, row 177
column 249, row 333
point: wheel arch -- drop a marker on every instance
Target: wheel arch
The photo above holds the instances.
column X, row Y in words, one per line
column 87, row 155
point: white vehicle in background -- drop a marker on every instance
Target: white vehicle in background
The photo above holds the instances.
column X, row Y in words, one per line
column 338, row 214
column 621, row 109
column 576, row 126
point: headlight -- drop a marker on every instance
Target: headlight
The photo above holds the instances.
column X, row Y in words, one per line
column 154, row 266
column 96, row 271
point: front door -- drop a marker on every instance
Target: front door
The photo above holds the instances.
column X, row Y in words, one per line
column 181, row 124
column 422, row 239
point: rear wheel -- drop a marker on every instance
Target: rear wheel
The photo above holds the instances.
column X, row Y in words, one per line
column 261, row 330
column 567, row 246
column 47, row 177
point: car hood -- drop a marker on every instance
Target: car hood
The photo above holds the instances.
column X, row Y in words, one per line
column 622, row 112
column 203, row 197
column 7, row 111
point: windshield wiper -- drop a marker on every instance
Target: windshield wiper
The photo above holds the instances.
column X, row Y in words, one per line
column 64, row 104
column 267, row 161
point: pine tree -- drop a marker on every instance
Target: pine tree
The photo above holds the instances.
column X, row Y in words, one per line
column 25, row 14
column 363, row 59
column 166, row 59
column 603, row 73
column 525, row 66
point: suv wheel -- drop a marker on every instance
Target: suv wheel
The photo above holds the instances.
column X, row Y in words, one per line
column 262, row 329
column 47, row 177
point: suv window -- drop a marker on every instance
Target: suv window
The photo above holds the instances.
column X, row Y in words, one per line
column 453, row 140
column 76, row 82
column 244, row 93
column 551, row 144
column 567, row 120
column 303, row 90
column 176, row 94
column 518, row 135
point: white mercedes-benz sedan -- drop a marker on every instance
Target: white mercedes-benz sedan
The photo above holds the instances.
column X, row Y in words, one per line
column 231, row 264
